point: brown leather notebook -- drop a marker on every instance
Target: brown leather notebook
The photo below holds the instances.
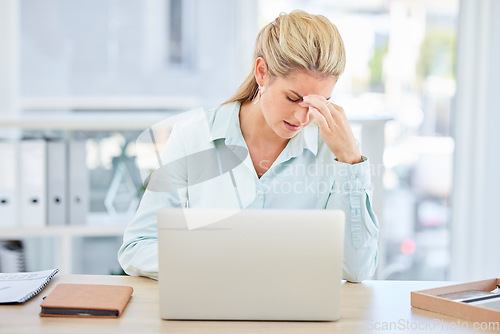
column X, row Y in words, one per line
column 86, row 300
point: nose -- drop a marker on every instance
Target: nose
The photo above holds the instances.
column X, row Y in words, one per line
column 301, row 114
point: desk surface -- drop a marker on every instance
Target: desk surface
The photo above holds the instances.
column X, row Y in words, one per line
column 369, row 307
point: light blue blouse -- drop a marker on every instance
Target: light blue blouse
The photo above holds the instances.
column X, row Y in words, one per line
column 304, row 176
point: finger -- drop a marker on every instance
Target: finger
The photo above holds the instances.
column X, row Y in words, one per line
column 337, row 111
column 317, row 100
column 338, row 114
column 340, row 117
column 315, row 114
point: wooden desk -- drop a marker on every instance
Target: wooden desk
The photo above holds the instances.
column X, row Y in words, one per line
column 366, row 308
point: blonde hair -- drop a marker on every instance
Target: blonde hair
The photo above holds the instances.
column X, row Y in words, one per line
column 297, row 40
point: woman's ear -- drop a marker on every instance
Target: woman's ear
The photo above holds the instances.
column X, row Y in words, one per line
column 260, row 71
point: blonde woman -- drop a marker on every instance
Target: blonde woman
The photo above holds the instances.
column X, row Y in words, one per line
column 300, row 149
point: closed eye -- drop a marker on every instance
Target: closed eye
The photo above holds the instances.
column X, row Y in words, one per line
column 289, row 99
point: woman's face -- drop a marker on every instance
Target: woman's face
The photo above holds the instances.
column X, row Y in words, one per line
column 280, row 99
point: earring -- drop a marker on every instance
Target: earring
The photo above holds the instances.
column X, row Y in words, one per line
column 256, row 97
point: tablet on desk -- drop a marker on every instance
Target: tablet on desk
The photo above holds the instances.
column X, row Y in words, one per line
column 250, row 265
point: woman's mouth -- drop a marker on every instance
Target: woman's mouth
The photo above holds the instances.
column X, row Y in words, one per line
column 291, row 127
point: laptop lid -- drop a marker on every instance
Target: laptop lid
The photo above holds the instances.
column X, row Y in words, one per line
column 251, row 265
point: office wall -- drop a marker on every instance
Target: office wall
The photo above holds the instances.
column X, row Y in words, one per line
column 9, row 63
column 120, row 48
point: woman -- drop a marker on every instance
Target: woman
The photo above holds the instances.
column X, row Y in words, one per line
column 288, row 162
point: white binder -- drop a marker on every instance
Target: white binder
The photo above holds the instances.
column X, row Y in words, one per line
column 78, row 180
column 8, row 185
column 33, row 182
column 56, row 182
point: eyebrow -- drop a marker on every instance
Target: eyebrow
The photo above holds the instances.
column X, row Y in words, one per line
column 301, row 97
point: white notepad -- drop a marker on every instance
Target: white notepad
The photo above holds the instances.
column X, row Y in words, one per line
column 19, row 287
column 493, row 303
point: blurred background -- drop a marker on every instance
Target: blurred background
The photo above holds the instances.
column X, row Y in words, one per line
column 161, row 57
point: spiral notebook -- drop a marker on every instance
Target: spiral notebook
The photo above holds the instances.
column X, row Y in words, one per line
column 16, row 288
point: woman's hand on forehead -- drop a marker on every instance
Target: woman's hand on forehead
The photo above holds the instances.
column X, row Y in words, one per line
column 334, row 128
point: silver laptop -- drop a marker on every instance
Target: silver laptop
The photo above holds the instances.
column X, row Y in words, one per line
column 250, row 264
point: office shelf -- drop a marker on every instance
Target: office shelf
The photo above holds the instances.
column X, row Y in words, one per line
column 98, row 225
column 120, row 103
column 95, row 113
column 85, row 121
column 61, row 231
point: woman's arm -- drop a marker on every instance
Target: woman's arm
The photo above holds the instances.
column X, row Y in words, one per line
column 351, row 193
column 351, row 190
column 138, row 255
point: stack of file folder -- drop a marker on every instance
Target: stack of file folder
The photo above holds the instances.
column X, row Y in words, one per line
column 43, row 182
